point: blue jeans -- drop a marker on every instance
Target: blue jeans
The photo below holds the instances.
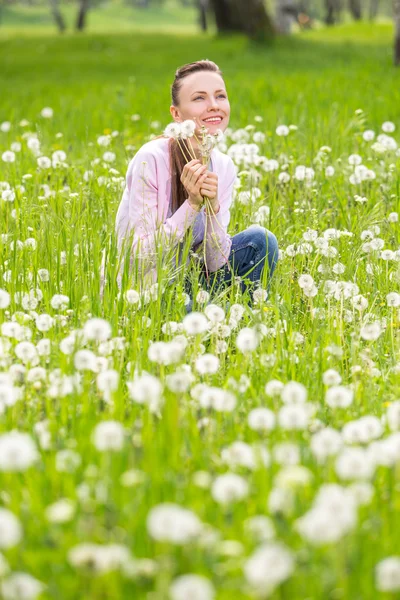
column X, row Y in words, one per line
column 251, row 251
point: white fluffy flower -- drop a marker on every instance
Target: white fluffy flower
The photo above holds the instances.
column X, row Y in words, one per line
column 261, row 419
column 294, row 392
column 8, row 156
column 393, row 299
column 195, row 323
column 97, row 329
column 325, row 443
column 188, row 128
column 47, row 112
column 173, row 130
column 247, row 340
column 354, row 463
column 61, row 511
column 339, row 396
column 59, row 301
column 229, row 488
column 260, row 527
column 109, row 435
column 84, row 360
column 331, row 377
column 21, row 586
column 132, row 297
column 10, row 529
column 207, row 364
column 145, row 389
column 282, row 130
column 274, row 387
column 371, row 331
column 214, row 313
column 332, row 516
column 4, row 299
column 293, row 417
column 170, row 522
column 100, row 558
column 388, row 127
column 17, row 451
column 191, row 586
column 387, row 573
column 44, row 162
column 268, row 566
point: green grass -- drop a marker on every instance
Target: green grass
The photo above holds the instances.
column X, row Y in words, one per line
column 95, row 83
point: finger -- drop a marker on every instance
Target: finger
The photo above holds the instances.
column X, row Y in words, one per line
column 188, row 165
column 199, row 183
column 209, row 189
column 195, row 173
column 187, row 173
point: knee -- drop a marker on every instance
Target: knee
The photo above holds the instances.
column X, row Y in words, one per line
column 266, row 241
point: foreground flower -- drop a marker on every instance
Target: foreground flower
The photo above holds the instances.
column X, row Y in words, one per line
column 21, row 586
column 99, row 558
column 229, row 488
column 268, row 567
column 171, row 523
column 191, row 586
column 10, row 529
column 109, row 435
column 387, row 574
column 18, row 451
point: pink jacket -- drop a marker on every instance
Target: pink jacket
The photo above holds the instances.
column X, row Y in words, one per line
column 143, row 211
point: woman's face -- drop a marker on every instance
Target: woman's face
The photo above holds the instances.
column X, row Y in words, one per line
column 203, row 98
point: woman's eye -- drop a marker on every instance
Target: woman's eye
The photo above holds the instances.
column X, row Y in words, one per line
column 201, row 97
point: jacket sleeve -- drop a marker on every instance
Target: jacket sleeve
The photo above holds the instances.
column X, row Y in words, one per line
column 141, row 219
column 218, row 242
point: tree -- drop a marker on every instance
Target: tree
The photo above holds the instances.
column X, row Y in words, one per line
column 373, row 9
column 82, row 12
column 203, row 6
column 396, row 17
column 57, row 16
column 332, row 8
column 355, row 9
column 245, row 16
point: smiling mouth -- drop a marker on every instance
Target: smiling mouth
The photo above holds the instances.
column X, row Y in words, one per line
column 212, row 120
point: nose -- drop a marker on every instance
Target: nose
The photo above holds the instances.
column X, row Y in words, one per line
column 213, row 103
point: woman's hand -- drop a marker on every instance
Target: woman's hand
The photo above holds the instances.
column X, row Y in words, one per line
column 193, row 176
column 210, row 186
column 210, row 189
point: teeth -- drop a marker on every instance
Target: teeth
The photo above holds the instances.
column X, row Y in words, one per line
column 213, row 119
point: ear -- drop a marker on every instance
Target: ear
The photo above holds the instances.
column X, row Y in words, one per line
column 175, row 114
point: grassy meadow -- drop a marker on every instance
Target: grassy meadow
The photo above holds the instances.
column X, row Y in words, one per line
column 239, row 451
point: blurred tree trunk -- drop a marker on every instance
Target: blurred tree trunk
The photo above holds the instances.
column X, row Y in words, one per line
column 82, row 13
column 373, row 9
column 246, row 16
column 203, row 6
column 330, row 15
column 355, row 9
column 396, row 17
column 57, row 16
column 286, row 13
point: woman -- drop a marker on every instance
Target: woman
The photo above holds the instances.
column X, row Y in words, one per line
column 163, row 199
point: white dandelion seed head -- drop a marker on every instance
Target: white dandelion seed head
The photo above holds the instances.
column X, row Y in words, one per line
column 109, row 436
column 195, row 587
column 172, row 523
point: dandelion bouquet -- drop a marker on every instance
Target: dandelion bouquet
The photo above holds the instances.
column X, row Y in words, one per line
column 182, row 133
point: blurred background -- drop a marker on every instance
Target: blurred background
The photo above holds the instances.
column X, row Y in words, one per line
column 259, row 19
